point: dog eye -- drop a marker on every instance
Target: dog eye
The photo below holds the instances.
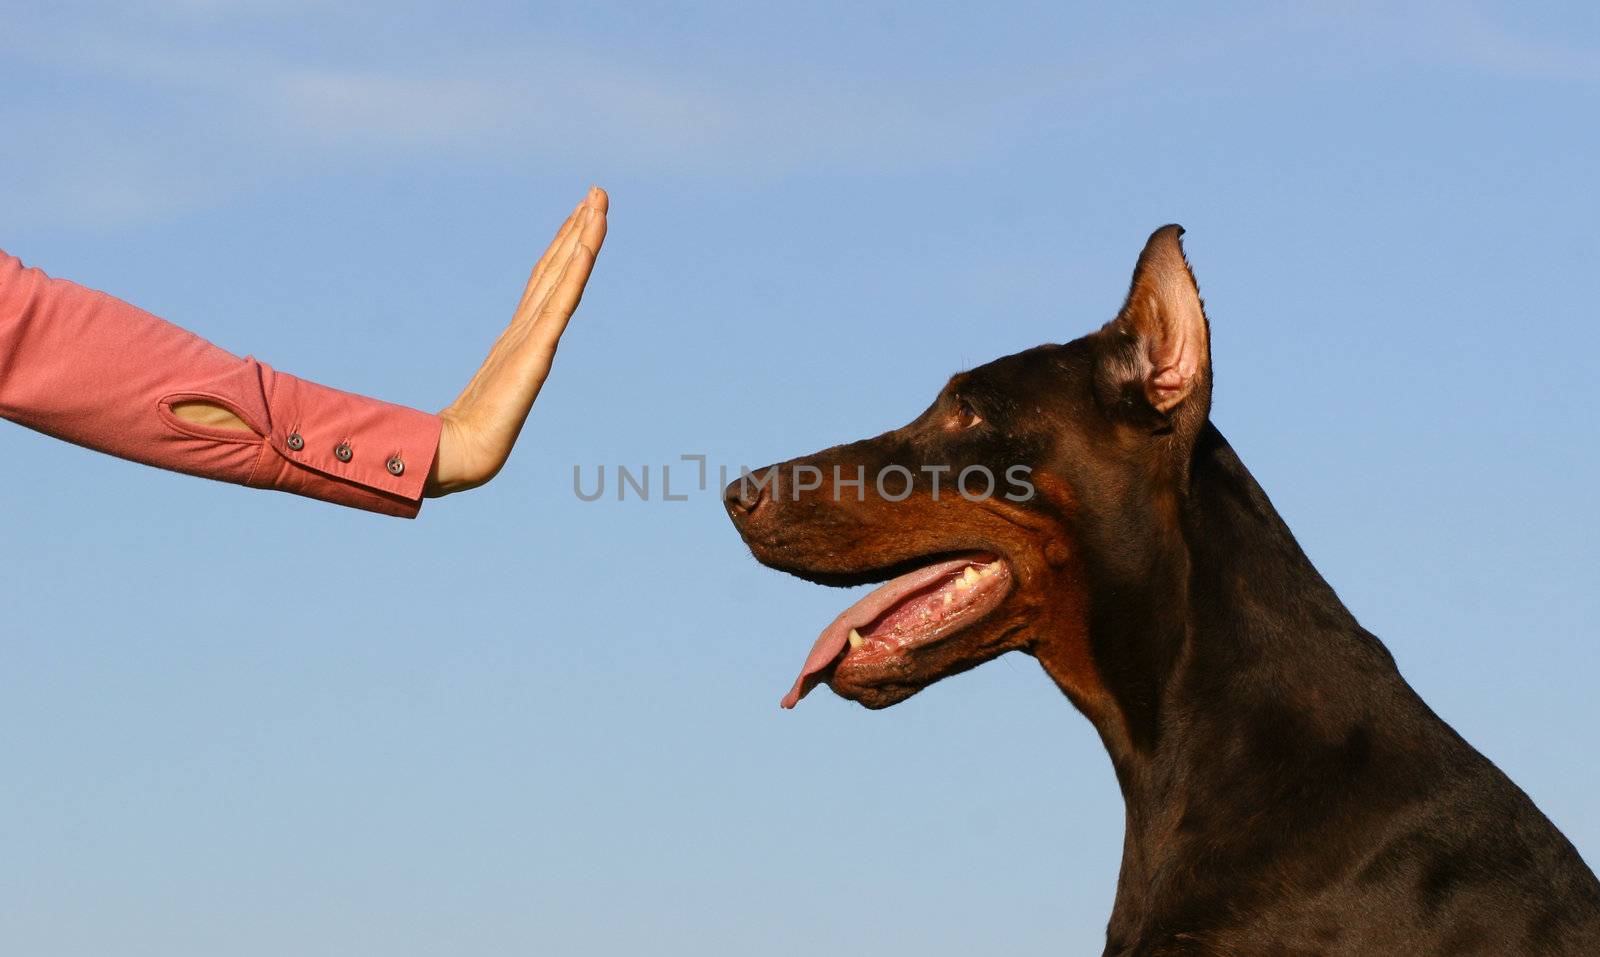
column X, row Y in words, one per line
column 966, row 416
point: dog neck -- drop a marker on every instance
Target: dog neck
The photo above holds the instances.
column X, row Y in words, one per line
column 1240, row 686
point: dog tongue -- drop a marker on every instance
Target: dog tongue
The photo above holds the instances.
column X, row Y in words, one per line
column 833, row 639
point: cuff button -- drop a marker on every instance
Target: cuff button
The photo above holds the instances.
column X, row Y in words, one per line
column 396, row 467
column 294, row 442
column 343, row 453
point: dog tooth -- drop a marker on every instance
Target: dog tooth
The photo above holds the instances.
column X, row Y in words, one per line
column 948, row 598
column 970, row 576
column 856, row 641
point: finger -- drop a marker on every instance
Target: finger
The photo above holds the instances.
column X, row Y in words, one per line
column 594, row 234
column 507, row 390
column 492, row 376
column 596, row 199
column 556, row 253
column 539, row 284
column 540, row 288
column 545, row 274
column 539, row 281
column 563, row 301
column 555, row 257
column 568, row 291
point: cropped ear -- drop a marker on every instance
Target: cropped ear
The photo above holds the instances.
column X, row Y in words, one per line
column 1166, row 323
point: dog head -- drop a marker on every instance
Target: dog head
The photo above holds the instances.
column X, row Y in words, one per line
column 996, row 518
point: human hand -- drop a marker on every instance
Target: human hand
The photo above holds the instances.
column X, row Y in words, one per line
column 482, row 424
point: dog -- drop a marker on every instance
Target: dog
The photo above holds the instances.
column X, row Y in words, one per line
column 1287, row 792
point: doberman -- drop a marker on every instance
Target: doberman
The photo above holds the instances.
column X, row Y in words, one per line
column 1286, row 791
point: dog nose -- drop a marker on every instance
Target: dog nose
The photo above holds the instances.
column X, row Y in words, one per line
column 743, row 496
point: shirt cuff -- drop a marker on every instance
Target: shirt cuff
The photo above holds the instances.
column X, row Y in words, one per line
column 344, row 448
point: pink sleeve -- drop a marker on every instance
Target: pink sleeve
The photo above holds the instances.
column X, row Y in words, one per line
column 85, row 367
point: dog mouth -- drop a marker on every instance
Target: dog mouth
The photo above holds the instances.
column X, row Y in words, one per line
column 918, row 609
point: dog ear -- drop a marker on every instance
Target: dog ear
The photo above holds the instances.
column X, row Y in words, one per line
column 1163, row 328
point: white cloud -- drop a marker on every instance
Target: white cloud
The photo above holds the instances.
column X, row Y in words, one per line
column 157, row 118
column 1472, row 38
column 171, row 119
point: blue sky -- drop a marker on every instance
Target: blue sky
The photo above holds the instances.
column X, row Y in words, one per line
column 243, row 723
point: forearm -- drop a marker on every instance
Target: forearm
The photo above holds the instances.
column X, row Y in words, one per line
column 85, row 367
